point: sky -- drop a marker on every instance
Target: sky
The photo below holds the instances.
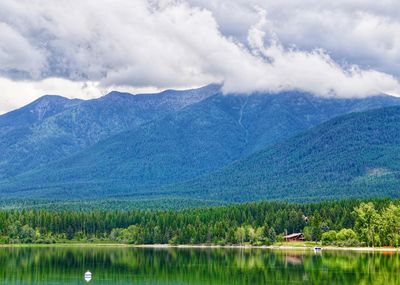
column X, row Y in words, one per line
column 86, row 48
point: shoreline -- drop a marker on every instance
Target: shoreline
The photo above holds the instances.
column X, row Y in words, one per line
column 188, row 246
column 273, row 247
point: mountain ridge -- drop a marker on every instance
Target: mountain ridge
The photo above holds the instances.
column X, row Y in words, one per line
column 30, row 140
column 193, row 141
column 362, row 163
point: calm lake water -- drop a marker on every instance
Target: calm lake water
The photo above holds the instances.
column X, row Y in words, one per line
column 55, row 265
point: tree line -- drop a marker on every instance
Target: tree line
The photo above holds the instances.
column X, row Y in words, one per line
column 343, row 223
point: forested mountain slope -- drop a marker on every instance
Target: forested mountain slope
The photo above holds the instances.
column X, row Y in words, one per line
column 357, row 155
column 54, row 127
column 193, row 141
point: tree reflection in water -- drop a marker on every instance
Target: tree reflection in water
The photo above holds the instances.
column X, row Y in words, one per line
column 65, row 265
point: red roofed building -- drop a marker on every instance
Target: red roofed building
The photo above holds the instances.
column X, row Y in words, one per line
column 294, row 237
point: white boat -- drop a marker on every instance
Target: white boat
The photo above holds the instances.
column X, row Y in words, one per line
column 317, row 249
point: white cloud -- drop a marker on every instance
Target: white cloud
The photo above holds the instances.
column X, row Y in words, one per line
column 363, row 32
column 313, row 71
column 17, row 54
column 341, row 48
column 15, row 94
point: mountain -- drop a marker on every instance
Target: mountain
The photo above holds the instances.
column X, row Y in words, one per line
column 357, row 155
column 182, row 144
column 54, row 127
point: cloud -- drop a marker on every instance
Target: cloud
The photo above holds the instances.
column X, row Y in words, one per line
column 15, row 94
column 17, row 55
column 362, row 32
column 118, row 42
column 340, row 48
column 313, row 71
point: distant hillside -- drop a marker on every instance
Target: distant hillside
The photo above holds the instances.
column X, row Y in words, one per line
column 54, row 127
column 357, row 155
column 189, row 142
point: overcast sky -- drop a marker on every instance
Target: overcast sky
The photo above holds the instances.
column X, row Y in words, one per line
column 85, row 48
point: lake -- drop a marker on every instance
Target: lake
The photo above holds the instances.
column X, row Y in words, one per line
column 118, row 265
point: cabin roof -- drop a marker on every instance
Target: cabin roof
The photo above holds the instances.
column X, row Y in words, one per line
column 293, row 235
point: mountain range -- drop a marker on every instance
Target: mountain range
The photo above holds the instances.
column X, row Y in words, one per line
column 201, row 144
column 356, row 155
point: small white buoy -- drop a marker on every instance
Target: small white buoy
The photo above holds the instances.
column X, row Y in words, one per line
column 88, row 276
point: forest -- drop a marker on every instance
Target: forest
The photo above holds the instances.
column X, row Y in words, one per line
column 340, row 223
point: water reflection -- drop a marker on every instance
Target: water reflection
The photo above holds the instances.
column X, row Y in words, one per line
column 56, row 265
column 88, row 276
column 295, row 259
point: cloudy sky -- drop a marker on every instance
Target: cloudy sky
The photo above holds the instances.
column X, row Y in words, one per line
column 85, row 48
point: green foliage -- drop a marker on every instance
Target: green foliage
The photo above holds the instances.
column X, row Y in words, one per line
column 271, row 236
column 367, row 223
column 329, row 237
column 345, row 237
column 375, row 222
column 378, row 227
column 132, row 234
column 307, row 232
column 346, row 234
column 240, row 235
column 390, row 226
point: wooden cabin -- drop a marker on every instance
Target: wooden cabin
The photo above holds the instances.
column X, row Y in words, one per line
column 294, row 237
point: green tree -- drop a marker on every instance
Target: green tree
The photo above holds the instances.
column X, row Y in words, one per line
column 27, row 234
column 250, row 234
column 70, row 233
column 390, row 225
column 13, row 231
column 272, row 236
column 347, row 237
column 259, row 235
column 307, row 232
column 366, row 225
column 240, row 235
column 328, row 237
column 316, row 226
column 346, row 234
